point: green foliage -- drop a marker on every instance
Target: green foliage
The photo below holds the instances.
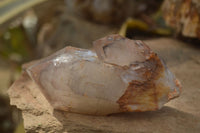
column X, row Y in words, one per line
column 14, row 45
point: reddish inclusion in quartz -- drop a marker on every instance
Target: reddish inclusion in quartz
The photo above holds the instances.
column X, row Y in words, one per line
column 140, row 95
column 119, row 75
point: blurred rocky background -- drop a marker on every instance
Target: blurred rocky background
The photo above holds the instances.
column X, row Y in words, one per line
column 36, row 28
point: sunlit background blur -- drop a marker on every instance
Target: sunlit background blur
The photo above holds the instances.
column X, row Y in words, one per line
column 31, row 29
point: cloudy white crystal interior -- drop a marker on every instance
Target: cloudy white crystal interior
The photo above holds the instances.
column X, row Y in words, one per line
column 91, row 82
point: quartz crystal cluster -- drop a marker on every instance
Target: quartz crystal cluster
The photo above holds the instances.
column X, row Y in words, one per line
column 117, row 75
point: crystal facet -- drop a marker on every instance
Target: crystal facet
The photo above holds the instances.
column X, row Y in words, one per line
column 118, row 75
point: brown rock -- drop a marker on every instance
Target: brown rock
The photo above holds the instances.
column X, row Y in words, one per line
column 183, row 16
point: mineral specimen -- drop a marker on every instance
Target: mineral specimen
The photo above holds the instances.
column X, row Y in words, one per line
column 118, row 75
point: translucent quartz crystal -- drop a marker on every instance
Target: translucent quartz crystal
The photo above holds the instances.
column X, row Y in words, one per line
column 118, row 75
